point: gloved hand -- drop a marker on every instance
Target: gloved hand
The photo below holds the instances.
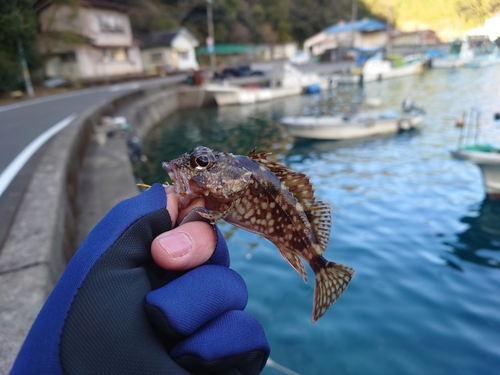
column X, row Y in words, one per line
column 115, row 311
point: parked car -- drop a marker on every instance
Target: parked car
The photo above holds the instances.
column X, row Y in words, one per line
column 240, row 71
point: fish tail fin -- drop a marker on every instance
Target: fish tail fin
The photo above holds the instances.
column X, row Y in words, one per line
column 331, row 280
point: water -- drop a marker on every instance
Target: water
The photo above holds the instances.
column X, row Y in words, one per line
column 412, row 221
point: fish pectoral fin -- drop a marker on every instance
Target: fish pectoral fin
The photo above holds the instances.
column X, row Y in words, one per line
column 331, row 280
column 295, row 262
column 213, row 219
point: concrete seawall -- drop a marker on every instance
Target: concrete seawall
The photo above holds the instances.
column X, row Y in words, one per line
column 74, row 185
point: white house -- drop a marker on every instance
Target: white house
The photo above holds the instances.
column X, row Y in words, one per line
column 93, row 40
column 166, row 51
column 367, row 33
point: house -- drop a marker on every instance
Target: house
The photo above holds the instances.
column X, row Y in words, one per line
column 92, row 40
column 167, row 51
column 337, row 39
column 413, row 38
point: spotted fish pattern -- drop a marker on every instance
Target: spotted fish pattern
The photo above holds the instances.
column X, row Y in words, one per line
column 264, row 197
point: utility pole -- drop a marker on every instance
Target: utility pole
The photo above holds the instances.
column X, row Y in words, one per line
column 26, row 72
column 354, row 16
column 210, row 39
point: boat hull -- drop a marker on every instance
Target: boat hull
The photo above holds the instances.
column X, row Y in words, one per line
column 225, row 95
column 337, row 128
column 489, row 163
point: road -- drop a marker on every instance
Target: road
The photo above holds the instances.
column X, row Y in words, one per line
column 23, row 123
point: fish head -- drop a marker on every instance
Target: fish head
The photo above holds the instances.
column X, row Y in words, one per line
column 204, row 172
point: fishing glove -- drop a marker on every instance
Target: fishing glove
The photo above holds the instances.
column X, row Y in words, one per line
column 114, row 311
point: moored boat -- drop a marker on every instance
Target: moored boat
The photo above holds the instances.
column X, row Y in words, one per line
column 487, row 158
column 349, row 126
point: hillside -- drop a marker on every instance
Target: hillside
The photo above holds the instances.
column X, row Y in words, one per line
column 448, row 17
column 254, row 21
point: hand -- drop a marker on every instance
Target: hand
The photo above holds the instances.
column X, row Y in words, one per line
column 116, row 310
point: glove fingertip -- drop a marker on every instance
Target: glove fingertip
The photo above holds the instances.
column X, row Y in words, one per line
column 234, row 334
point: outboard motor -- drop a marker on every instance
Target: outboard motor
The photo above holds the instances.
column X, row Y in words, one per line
column 407, row 105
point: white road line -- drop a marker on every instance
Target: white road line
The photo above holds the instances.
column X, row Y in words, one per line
column 18, row 163
column 49, row 98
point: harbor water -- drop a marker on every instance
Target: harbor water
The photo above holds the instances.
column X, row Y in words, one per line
column 412, row 222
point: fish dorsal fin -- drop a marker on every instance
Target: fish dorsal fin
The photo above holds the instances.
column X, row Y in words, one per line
column 318, row 213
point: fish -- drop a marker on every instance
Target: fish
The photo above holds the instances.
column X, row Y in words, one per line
column 265, row 197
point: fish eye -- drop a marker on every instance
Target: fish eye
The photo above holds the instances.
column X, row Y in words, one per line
column 203, row 161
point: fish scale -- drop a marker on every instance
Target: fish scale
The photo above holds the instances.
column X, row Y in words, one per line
column 267, row 198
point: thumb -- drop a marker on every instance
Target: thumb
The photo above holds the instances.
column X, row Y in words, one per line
column 184, row 247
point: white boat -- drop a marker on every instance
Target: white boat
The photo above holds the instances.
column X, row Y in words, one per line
column 347, row 126
column 285, row 80
column 470, row 52
column 447, row 62
column 459, row 52
column 480, row 61
column 377, row 68
column 488, row 160
column 231, row 94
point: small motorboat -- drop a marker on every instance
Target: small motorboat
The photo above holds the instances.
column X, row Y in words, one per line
column 485, row 156
column 354, row 125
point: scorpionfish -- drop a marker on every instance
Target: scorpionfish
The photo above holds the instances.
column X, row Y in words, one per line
column 264, row 197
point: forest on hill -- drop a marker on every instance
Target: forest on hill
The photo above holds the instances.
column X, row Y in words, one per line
column 255, row 21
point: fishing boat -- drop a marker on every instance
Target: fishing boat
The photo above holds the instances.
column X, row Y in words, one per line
column 470, row 52
column 378, row 68
column 353, row 125
column 485, row 156
column 232, row 94
column 284, row 80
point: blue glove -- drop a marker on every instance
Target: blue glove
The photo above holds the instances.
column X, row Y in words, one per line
column 114, row 311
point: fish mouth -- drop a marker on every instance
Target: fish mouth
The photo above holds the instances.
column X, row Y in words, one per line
column 179, row 180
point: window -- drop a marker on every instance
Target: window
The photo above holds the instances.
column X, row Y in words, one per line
column 156, row 57
column 111, row 24
column 183, row 55
column 113, row 54
column 67, row 57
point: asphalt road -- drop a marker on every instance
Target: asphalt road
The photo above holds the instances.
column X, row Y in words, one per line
column 22, row 123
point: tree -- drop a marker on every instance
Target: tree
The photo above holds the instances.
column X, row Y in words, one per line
column 17, row 23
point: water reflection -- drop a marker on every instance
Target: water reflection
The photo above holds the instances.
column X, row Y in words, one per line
column 480, row 243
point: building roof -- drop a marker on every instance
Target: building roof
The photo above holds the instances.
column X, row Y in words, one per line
column 365, row 25
column 224, row 49
column 42, row 4
column 161, row 38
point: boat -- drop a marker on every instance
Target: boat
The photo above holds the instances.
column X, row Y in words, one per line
column 232, row 94
column 459, row 51
column 377, row 68
column 355, row 125
column 470, row 52
column 485, row 156
column 284, row 80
